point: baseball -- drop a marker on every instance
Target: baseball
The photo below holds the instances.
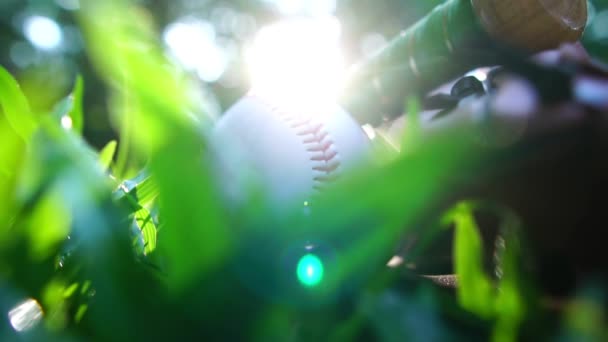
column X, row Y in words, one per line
column 285, row 153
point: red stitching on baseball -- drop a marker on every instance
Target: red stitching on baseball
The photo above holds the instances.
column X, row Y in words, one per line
column 316, row 140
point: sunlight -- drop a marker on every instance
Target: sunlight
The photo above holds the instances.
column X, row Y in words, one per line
column 298, row 62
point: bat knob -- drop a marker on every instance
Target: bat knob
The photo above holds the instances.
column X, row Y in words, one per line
column 534, row 25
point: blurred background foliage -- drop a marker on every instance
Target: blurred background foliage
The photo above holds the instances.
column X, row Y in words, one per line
column 105, row 249
column 47, row 63
column 222, row 29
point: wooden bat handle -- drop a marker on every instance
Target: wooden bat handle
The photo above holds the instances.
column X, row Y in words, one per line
column 443, row 45
column 534, row 25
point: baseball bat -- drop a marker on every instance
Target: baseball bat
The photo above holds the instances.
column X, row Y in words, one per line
column 442, row 45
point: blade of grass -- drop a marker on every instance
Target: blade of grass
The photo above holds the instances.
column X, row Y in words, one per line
column 16, row 128
column 125, row 51
column 16, row 107
column 76, row 111
column 107, row 154
column 475, row 290
column 148, row 229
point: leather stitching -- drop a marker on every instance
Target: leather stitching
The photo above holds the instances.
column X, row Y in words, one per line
column 317, row 141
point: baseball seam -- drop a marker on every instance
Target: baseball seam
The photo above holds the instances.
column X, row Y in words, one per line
column 317, row 141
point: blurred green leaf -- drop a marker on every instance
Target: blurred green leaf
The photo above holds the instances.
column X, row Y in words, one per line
column 16, row 128
column 475, row 289
column 585, row 318
column 151, row 96
column 76, row 111
column 144, row 222
column 15, row 106
column 124, row 48
column 107, row 154
column 49, row 225
column 413, row 132
column 147, row 192
column 51, row 184
column 70, row 290
column 512, row 299
column 506, row 300
column 68, row 111
column 11, row 155
column 55, row 305
column 82, row 309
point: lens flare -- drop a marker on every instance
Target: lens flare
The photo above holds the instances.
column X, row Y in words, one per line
column 310, row 270
column 298, row 62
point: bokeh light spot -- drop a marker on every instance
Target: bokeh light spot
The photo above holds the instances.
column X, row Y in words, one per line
column 310, row 270
column 66, row 122
column 193, row 43
column 42, row 32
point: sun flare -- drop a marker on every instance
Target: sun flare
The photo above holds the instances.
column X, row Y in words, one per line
column 298, row 62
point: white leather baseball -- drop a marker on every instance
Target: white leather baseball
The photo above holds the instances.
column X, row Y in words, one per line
column 286, row 154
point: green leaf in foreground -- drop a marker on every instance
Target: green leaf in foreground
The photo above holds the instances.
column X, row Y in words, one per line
column 16, row 128
column 68, row 111
column 107, row 154
column 15, row 106
column 513, row 299
column 503, row 301
column 475, row 290
column 75, row 112
column 146, row 225
column 149, row 92
column 49, row 225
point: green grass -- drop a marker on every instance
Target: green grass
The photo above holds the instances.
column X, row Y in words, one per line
column 157, row 256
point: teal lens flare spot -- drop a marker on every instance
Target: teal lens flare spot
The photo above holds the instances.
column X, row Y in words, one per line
column 310, row 270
